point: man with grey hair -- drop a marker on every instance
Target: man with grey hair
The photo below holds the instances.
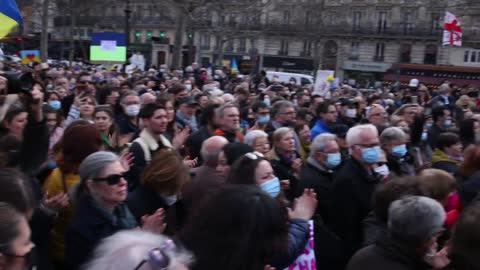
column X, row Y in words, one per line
column 209, row 152
column 229, row 123
column 414, row 224
column 399, row 162
column 318, row 174
column 283, row 115
column 354, row 185
column 127, row 121
column 443, row 98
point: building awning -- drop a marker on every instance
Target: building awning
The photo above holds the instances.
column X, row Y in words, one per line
column 429, row 80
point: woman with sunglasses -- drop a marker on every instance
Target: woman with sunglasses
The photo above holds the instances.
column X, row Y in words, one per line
column 100, row 208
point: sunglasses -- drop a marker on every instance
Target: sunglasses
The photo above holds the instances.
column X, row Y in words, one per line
column 112, row 180
column 159, row 258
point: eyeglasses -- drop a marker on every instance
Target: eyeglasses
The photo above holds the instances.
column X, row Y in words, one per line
column 158, row 257
column 85, row 82
column 290, row 113
column 112, row 180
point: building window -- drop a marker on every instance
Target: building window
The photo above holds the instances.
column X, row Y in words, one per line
column 307, row 48
column 357, row 18
column 405, row 53
column 382, row 21
column 435, row 22
column 466, row 56
column 205, row 41
column 308, row 17
column 218, row 43
column 355, row 50
column 379, row 52
column 242, row 45
column 229, row 47
column 283, row 48
column 430, row 55
column 473, row 57
column 408, row 23
column 286, row 17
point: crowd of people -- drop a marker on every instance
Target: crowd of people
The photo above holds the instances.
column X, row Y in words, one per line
column 209, row 169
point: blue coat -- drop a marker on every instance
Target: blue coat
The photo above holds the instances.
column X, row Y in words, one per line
column 89, row 226
column 320, row 127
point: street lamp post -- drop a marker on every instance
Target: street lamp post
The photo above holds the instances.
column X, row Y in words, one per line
column 128, row 12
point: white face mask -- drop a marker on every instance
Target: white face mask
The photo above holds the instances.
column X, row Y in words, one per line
column 351, row 113
column 188, row 86
column 170, row 200
column 132, row 110
column 382, row 170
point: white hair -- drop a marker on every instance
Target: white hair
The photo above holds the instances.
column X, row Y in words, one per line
column 125, row 250
column 228, row 96
column 253, row 135
column 392, row 134
column 320, row 143
column 353, row 134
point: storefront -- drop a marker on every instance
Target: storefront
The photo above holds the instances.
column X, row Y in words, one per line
column 365, row 73
column 288, row 64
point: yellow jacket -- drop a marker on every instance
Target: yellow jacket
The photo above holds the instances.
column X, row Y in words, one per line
column 54, row 185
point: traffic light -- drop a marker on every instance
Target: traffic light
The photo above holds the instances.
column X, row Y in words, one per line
column 190, row 35
column 137, row 35
column 19, row 39
column 162, row 34
column 149, row 35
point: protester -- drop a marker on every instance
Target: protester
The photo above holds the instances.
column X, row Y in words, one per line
column 100, row 208
column 258, row 140
column 240, row 234
column 414, row 225
column 286, row 162
column 448, row 154
column 140, row 250
column 399, row 162
column 16, row 245
column 354, row 185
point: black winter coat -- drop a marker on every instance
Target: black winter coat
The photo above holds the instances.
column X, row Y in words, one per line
column 90, row 224
column 353, row 189
column 389, row 254
column 284, row 171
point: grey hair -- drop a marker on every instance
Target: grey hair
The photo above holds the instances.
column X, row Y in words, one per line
column 353, row 134
column 320, row 143
column 128, row 94
column 92, row 167
column 251, row 136
column 125, row 250
column 221, row 111
column 279, row 105
column 215, row 142
column 392, row 134
column 415, row 219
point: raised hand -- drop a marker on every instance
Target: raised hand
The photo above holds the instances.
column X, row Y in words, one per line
column 155, row 223
column 127, row 160
column 180, row 137
column 57, row 202
column 304, row 207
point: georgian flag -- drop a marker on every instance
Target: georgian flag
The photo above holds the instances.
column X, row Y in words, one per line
column 452, row 33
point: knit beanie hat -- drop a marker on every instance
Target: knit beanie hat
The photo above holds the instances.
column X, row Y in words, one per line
column 415, row 219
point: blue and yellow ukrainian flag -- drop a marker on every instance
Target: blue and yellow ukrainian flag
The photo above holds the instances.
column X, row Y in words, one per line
column 10, row 17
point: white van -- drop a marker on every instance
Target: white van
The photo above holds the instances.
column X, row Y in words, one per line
column 284, row 77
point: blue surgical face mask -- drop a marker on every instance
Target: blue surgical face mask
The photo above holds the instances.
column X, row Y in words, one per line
column 333, row 160
column 263, row 120
column 428, row 125
column 447, row 123
column 272, row 187
column 55, row 104
column 399, row 150
column 371, row 155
